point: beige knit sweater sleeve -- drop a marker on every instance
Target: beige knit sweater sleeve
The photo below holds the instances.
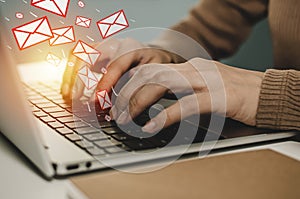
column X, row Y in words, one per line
column 279, row 101
column 221, row 26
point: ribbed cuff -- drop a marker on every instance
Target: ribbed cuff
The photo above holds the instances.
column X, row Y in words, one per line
column 279, row 101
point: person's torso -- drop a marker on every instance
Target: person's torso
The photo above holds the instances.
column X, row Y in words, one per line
column 284, row 20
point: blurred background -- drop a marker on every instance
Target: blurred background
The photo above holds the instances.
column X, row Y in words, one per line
column 256, row 53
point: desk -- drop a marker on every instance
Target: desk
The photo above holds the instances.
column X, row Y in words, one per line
column 18, row 178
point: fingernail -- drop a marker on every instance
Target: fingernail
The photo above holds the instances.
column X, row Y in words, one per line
column 122, row 118
column 132, row 72
column 149, row 127
column 65, row 89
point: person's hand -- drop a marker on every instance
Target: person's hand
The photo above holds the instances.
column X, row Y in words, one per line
column 117, row 57
column 241, row 91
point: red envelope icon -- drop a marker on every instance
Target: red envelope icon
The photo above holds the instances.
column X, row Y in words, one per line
column 86, row 53
column 62, row 35
column 88, row 78
column 112, row 24
column 32, row 33
column 83, row 21
column 104, row 99
column 59, row 7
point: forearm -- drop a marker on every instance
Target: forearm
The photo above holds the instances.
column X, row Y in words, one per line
column 279, row 101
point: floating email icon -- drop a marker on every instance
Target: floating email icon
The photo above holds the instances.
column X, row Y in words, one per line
column 32, row 33
column 62, row 35
column 86, row 53
column 83, row 21
column 53, row 59
column 104, row 99
column 112, row 24
column 59, row 7
column 88, row 78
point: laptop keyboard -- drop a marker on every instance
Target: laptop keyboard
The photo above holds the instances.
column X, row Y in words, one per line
column 99, row 137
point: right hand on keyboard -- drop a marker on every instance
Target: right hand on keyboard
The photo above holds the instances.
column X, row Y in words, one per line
column 117, row 57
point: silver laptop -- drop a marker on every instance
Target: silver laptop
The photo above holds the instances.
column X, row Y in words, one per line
column 60, row 139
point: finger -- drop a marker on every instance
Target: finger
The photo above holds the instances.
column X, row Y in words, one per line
column 133, row 85
column 136, row 68
column 115, row 70
column 69, row 77
column 141, row 99
column 77, row 89
column 183, row 108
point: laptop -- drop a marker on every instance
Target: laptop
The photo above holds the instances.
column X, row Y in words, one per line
column 60, row 139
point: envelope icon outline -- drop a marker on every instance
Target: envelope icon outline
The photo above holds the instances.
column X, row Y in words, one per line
column 104, row 99
column 32, row 33
column 88, row 78
column 83, row 21
column 86, row 53
column 58, row 7
column 53, row 59
column 62, row 35
column 112, row 24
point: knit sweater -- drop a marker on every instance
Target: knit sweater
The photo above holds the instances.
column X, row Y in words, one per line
column 221, row 26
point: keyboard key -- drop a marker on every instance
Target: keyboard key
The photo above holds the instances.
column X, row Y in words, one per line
column 64, row 131
column 55, row 125
column 157, row 142
column 68, row 119
column 53, row 110
column 73, row 137
column 60, row 114
column 48, row 92
column 122, row 137
column 34, row 108
column 111, row 130
column 90, row 119
column 54, row 96
column 34, row 97
column 96, row 151
column 59, row 101
column 95, row 136
column 74, row 125
column 82, row 114
column 47, row 119
column 107, row 143
column 114, row 150
column 84, row 144
column 138, row 144
column 106, row 124
column 39, row 101
column 46, row 105
column 40, row 113
column 65, row 105
column 87, row 130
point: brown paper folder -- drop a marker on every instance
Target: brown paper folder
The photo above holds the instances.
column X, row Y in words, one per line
column 256, row 174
